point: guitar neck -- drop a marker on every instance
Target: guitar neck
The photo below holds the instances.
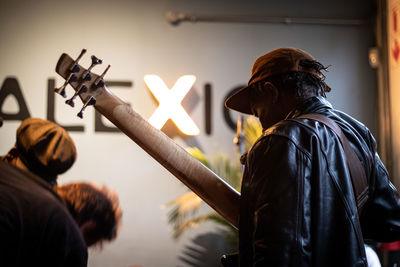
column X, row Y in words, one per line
column 197, row 177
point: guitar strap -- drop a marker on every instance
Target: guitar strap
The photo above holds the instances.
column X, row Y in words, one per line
column 357, row 172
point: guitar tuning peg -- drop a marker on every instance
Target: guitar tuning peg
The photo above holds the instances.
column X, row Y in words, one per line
column 95, row 61
column 74, row 67
column 61, row 90
column 89, row 102
column 100, row 80
column 70, row 101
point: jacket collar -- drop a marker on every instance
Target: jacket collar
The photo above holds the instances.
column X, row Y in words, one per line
column 315, row 104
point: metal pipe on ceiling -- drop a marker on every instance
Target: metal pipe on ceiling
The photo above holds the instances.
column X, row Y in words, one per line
column 175, row 18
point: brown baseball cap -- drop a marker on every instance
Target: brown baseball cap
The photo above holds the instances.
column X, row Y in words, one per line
column 278, row 61
column 45, row 148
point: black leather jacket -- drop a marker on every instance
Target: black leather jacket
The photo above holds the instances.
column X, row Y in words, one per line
column 297, row 203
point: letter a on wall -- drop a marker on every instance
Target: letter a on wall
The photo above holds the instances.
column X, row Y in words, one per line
column 11, row 87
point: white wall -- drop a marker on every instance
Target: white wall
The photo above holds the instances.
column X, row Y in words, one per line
column 136, row 39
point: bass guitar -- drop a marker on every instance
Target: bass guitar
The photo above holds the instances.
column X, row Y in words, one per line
column 91, row 89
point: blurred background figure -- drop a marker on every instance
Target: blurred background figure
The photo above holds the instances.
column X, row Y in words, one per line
column 95, row 209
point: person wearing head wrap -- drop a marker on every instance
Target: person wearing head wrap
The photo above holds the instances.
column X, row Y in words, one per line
column 43, row 148
column 300, row 203
column 44, row 224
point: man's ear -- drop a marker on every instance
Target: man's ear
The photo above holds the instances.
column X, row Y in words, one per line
column 87, row 229
column 273, row 91
column 87, row 226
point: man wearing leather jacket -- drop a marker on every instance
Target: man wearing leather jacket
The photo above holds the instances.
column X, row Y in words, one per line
column 298, row 204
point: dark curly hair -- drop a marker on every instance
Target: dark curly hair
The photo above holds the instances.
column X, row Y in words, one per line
column 89, row 202
column 301, row 84
column 304, row 84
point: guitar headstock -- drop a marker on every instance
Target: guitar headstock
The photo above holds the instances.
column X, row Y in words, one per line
column 86, row 84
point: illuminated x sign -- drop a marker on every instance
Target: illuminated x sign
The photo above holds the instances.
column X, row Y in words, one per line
column 170, row 103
